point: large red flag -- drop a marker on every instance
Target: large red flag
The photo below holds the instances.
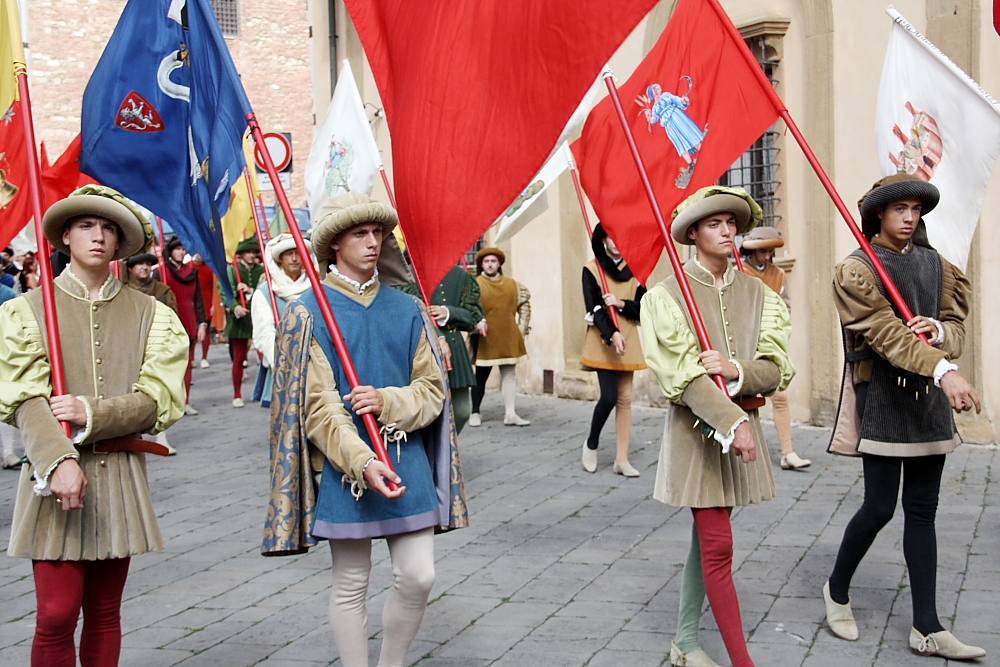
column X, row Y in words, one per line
column 694, row 106
column 63, row 176
column 15, row 187
column 476, row 94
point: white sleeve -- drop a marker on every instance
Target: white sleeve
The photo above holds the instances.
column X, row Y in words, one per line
column 262, row 317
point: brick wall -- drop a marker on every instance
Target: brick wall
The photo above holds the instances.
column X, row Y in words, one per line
column 67, row 38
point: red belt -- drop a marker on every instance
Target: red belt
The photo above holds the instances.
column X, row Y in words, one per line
column 748, row 403
column 127, row 445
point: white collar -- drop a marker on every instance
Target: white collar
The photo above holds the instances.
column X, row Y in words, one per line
column 354, row 283
column 86, row 290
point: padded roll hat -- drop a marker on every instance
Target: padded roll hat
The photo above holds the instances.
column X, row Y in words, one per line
column 496, row 252
column 711, row 200
column 345, row 211
column 890, row 189
column 280, row 244
column 102, row 202
column 763, row 238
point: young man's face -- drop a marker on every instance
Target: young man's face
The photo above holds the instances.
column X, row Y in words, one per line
column 491, row 265
column 177, row 254
column 92, row 241
column 141, row 271
column 715, row 235
column 761, row 256
column 899, row 220
column 358, row 248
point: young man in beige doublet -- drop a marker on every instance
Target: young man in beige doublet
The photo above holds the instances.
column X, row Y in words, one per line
column 83, row 507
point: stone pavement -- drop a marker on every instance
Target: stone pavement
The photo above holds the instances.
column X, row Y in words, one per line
column 559, row 568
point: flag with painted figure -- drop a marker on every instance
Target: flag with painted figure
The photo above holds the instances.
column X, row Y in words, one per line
column 533, row 201
column 163, row 119
column 934, row 122
column 344, row 156
column 15, row 186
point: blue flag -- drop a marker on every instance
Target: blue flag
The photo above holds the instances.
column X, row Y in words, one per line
column 163, row 119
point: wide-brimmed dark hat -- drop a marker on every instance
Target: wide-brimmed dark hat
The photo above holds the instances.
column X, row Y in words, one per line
column 101, row 202
column 890, row 189
column 711, row 200
column 146, row 258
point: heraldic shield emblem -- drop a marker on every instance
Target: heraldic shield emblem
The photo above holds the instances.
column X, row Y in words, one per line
column 137, row 114
column 922, row 149
column 669, row 111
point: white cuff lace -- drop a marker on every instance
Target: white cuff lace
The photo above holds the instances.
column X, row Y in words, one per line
column 942, row 367
column 727, row 440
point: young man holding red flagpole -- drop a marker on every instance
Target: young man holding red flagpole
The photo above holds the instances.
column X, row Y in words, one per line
column 83, row 505
column 714, row 456
column 897, row 399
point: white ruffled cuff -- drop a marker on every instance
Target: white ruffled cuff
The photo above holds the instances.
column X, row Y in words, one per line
column 943, row 366
column 727, row 440
column 734, row 386
column 939, row 341
column 80, row 433
column 41, row 487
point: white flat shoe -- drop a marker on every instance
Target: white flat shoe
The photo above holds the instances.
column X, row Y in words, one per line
column 943, row 644
column 840, row 618
column 624, row 469
column 237, row 402
column 793, row 462
column 475, row 419
column 589, row 458
column 190, row 411
column 515, row 421
column 11, row 461
column 204, row 363
column 693, row 659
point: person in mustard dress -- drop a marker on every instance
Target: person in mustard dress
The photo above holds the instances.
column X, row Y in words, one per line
column 83, row 506
column 615, row 353
column 714, row 456
column 507, row 306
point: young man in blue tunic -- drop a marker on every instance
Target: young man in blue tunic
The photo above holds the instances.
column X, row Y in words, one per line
column 385, row 334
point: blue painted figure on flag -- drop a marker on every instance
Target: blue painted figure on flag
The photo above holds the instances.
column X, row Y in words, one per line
column 669, row 112
column 163, row 119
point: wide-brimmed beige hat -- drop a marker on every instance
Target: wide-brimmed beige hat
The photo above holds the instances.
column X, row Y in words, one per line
column 763, row 238
column 280, row 244
column 890, row 189
column 347, row 210
column 711, row 200
column 102, row 202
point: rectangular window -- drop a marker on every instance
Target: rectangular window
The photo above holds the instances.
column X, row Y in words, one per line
column 228, row 14
column 756, row 170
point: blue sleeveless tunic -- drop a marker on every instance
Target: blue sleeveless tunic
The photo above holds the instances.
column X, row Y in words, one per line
column 382, row 339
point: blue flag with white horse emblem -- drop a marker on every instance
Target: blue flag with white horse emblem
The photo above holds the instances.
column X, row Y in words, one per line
column 163, row 119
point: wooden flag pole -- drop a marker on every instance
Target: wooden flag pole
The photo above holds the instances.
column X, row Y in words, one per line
column 324, row 305
column 392, row 201
column 260, row 239
column 58, row 370
column 866, row 246
column 590, row 235
column 675, row 261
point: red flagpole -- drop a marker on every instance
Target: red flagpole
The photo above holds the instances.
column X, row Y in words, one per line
column 392, row 200
column 739, row 260
column 866, row 247
column 239, row 279
column 260, row 239
column 163, row 252
column 590, row 235
column 324, row 305
column 58, row 372
column 675, row 260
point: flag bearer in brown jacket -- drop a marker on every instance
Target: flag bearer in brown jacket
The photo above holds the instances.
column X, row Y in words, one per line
column 897, row 399
column 83, row 507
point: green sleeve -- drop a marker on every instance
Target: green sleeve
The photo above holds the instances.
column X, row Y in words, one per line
column 771, row 368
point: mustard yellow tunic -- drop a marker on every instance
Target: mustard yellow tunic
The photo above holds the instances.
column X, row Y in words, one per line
column 505, row 304
column 125, row 355
column 598, row 354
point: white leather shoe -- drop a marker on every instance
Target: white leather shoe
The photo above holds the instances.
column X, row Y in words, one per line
column 793, row 462
column 839, row 617
column 624, row 469
column 190, row 411
column 475, row 419
column 237, row 402
column 589, row 458
column 943, row 644
column 515, row 420
column 204, row 363
column 693, row 659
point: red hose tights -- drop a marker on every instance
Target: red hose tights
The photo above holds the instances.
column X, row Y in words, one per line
column 715, row 537
column 240, row 348
column 62, row 589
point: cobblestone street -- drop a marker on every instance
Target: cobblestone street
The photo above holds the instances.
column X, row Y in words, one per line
column 559, row 567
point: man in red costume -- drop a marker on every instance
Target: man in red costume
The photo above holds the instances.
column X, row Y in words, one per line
column 182, row 277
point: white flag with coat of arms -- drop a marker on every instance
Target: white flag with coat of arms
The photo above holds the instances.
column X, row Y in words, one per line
column 344, row 156
column 934, row 122
column 533, row 201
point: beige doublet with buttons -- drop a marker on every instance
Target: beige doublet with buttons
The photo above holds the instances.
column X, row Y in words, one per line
column 125, row 355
